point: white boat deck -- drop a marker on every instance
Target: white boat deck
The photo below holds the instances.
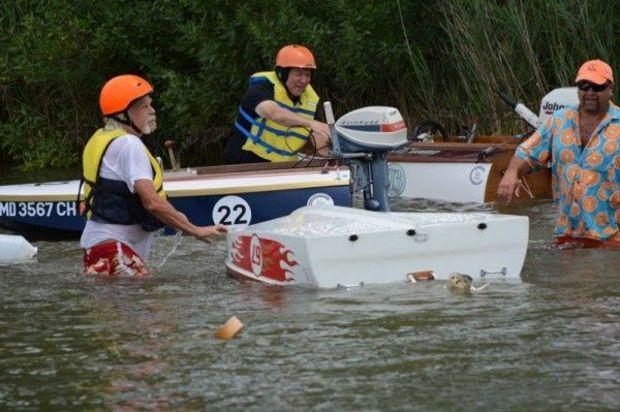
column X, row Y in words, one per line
column 338, row 221
column 192, row 185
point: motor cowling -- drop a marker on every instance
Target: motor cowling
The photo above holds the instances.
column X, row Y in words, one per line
column 370, row 129
column 363, row 138
column 555, row 100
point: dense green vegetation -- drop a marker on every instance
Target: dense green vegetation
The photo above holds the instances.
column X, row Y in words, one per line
column 430, row 58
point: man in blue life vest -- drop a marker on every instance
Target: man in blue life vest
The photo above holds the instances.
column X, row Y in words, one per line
column 276, row 116
column 123, row 196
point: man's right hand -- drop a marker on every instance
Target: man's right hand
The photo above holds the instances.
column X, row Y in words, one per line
column 321, row 131
column 508, row 186
column 205, row 233
column 321, row 136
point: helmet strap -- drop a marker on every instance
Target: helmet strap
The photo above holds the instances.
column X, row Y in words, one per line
column 127, row 121
column 282, row 73
column 136, row 128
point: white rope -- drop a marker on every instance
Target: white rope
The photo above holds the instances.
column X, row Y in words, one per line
column 177, row 242
column 523, row 183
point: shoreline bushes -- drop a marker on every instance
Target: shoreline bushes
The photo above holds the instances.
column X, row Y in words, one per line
column 436, row 59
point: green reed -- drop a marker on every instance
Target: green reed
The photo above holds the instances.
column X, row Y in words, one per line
column 525, row 48
column 439, row 59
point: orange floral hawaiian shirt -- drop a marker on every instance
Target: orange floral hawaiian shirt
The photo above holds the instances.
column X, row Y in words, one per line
column 586, row 183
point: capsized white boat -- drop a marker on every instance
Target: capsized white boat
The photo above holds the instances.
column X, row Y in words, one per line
column 330, row 246
column 15, row 249
column 326, row 246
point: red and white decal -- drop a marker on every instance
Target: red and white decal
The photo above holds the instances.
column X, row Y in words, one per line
column 264, row 257
column 393, row 127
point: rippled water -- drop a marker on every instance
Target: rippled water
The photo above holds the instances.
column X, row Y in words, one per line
column 549, row 343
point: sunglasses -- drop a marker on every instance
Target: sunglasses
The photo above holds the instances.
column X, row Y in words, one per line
column 585, row 86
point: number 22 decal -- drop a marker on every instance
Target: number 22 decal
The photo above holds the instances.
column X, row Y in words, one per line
column 239, row 220
column 232, row 210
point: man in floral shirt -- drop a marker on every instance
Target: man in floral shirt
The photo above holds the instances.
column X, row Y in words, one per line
column 582, row 145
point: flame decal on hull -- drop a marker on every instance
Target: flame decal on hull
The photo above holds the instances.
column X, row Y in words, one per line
column 264, row 257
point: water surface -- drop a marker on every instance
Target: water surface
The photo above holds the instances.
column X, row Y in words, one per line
column 551, row 342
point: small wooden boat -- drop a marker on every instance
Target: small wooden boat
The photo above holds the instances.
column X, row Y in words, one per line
column 15, row 249
column 233, row 195
column 470, row 169
column 460, row 172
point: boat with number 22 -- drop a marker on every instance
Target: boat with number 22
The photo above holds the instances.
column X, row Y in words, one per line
column 236, row 195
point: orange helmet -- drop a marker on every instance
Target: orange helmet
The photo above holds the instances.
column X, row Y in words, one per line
column 119, row 92
column 295, row 55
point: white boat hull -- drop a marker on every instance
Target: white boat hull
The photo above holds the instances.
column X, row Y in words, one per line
column 330, row 246
column 459, row 172
column 453, row 182
column 15, row 249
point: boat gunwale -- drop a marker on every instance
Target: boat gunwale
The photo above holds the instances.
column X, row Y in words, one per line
column 468, row 152
column 334, row 181
column 176, row 193
column 201, row 175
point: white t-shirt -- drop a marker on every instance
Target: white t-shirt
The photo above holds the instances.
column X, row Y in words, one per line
column 124, row 160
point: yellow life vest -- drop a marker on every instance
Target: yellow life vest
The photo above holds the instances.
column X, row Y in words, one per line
column 273, row 141
column 91, row 164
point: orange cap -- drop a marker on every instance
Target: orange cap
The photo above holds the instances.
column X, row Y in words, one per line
column 595, row 71
column 296, row 56
column 119, row 92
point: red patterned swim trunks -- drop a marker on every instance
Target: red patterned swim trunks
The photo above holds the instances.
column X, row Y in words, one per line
column 113, row 259
column 570, row 242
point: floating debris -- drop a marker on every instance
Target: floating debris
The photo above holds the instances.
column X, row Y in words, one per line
column 230, row 329
column 415, row 277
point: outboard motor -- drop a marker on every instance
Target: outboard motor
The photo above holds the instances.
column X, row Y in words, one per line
column 557, row 99
column 363, row 138
column 554, row 100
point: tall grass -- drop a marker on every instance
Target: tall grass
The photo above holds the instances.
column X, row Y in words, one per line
column 439, row 59
column 525, row 48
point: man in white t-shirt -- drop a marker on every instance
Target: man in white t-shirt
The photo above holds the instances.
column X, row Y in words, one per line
column 124, row 200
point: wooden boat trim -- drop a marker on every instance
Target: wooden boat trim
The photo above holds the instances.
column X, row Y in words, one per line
column 258, row 188
column 222, row 172
column 265, row 166
column 321, row 180
column 538, row 181
column 451, row 152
